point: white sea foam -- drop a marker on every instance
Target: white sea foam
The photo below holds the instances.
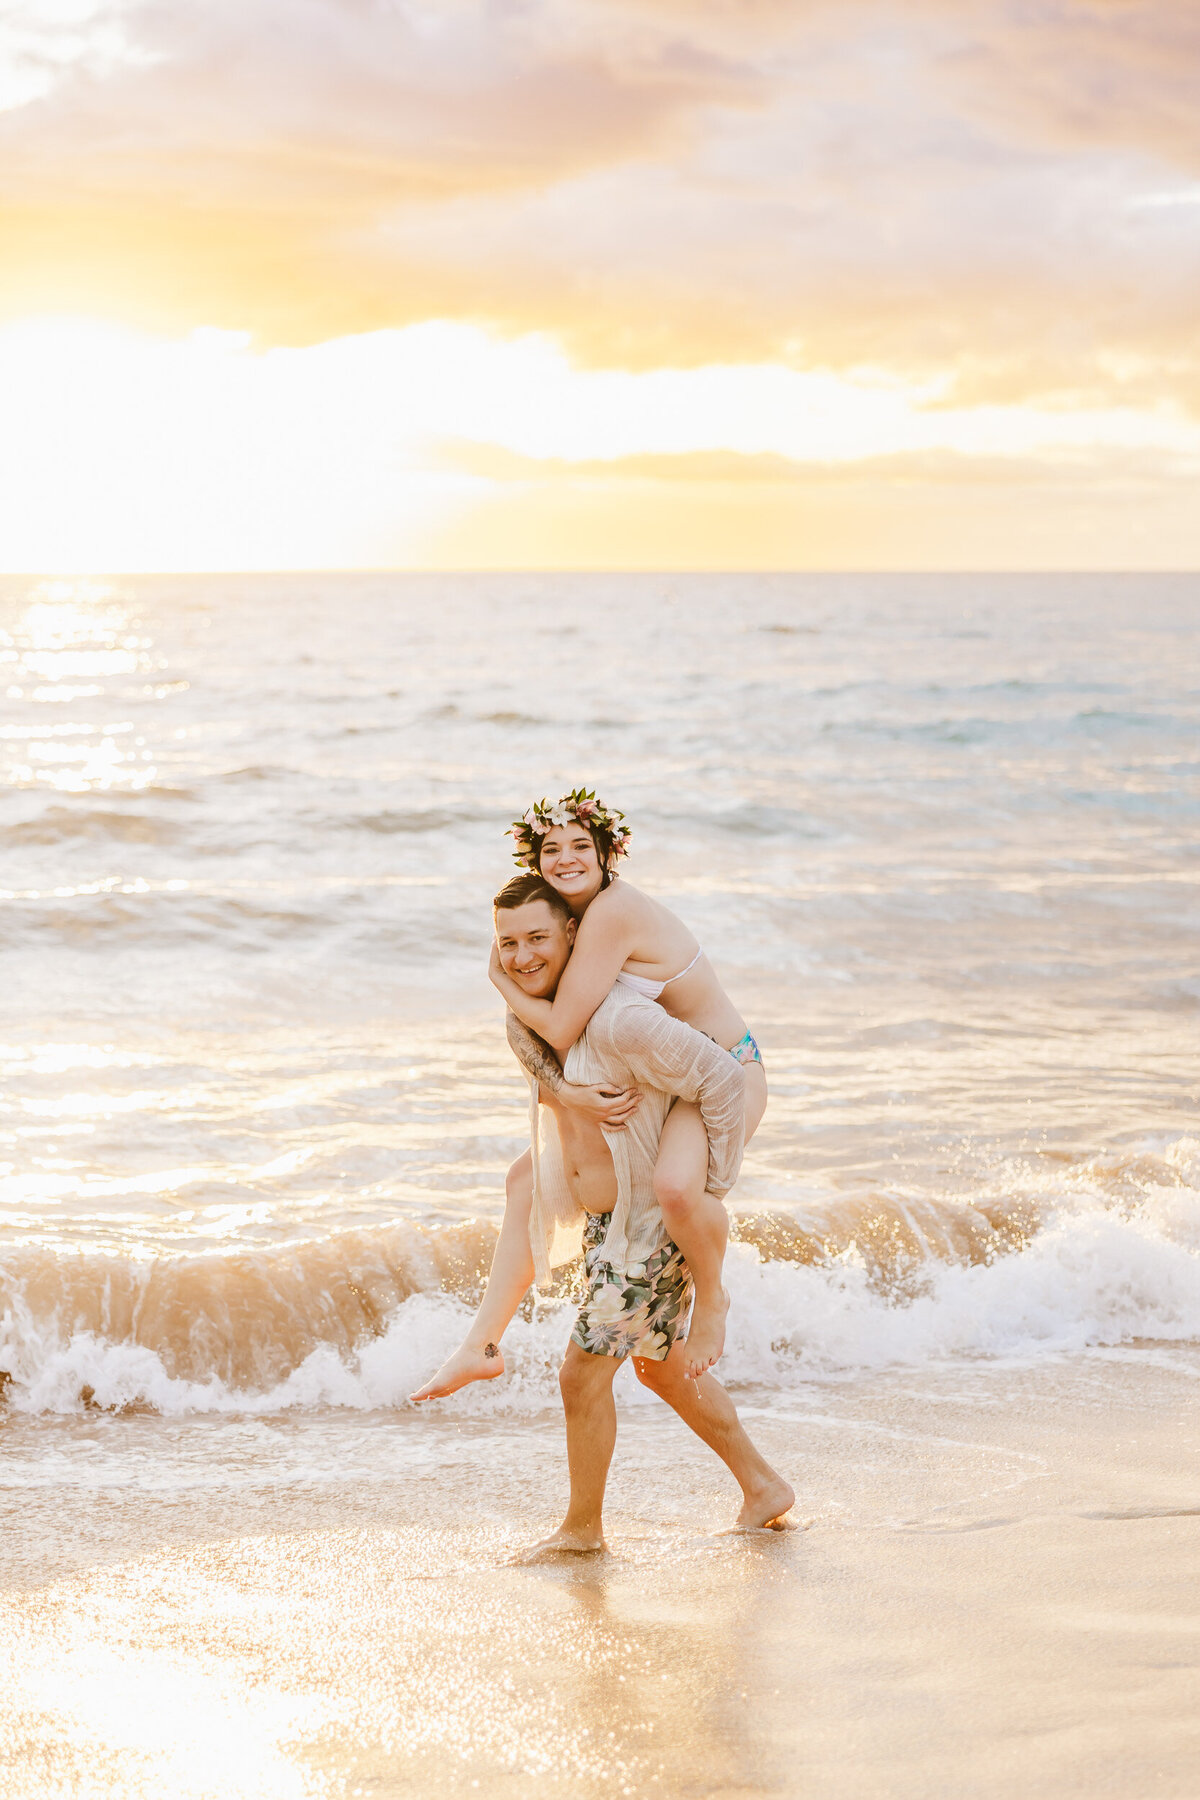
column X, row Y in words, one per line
column 1094, row 1276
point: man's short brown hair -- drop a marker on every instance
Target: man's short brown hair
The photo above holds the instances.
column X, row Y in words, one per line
column 527, row 886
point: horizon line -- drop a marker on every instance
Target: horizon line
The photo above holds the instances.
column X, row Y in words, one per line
column 408, row 569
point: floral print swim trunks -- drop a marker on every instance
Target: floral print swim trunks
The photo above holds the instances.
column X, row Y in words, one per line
column 635, row 1309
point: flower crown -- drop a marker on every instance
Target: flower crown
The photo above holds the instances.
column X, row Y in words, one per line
column 579, row 804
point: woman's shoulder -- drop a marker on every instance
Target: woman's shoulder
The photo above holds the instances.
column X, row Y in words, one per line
column 619, row 899
column 618, row 904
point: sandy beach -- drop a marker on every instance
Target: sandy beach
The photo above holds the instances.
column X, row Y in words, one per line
column 994, row 1595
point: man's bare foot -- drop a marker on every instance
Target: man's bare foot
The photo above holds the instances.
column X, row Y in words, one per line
column 564, row 1543
column 473, row 1362
column 706, row 1334
column 764, row 1509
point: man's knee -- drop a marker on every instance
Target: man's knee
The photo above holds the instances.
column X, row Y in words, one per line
column 580, row 1376
column 654, row 1375
column 568, row 1381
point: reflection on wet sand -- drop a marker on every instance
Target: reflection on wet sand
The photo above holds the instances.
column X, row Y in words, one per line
column 400, row 1661
column 995, row 1598
column 656, row 1690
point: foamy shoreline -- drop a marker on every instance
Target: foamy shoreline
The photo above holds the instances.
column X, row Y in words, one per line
column 1099, row 1256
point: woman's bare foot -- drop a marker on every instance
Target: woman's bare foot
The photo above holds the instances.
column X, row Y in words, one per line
column 565, row 1542
column 706, row 1334
column 765, row 1507
column 473, row 1362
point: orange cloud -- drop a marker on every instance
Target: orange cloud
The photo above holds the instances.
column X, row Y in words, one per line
column 886, row 513
column 1126, row 472
column 247, row 169
column 655, row 180
column 1086, row 74
column 999, row 196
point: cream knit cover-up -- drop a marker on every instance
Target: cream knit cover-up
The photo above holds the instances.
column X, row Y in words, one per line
column 630, row 1041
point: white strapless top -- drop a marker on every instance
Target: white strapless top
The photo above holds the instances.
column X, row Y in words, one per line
column 642, row 984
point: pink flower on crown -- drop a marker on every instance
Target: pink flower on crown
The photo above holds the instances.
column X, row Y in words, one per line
column 579, row 804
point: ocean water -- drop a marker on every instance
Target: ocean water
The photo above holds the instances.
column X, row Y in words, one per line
column 938, row 834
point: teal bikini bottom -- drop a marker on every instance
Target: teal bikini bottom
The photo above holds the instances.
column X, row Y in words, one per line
column 746, row 1050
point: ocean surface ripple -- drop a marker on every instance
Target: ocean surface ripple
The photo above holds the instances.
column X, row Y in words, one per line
column 937, row 833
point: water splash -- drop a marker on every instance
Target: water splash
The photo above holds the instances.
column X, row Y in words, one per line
column 358, row 1319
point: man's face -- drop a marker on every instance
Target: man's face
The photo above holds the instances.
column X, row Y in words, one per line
column 534, row 943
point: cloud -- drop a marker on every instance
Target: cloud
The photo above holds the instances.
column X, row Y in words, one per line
column 44, row 41
column 946, row 186
column 1085, row 75
column 302, row 103
column 248, row 161
column 439, row 445
column 913, row 512
column 1091, row 469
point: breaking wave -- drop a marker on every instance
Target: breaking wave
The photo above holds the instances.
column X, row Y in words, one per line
column 360, row 1318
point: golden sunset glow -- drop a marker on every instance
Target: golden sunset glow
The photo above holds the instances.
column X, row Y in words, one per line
column 635, row 284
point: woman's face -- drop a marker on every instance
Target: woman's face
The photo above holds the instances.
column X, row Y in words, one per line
column 570, row 864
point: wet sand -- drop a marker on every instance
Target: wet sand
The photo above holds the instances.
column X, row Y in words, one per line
column 996, row 1595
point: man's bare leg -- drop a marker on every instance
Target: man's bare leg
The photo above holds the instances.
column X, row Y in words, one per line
column 696, row 1220
column 478, row 1357
column 586, row 1383
column 706, row 1408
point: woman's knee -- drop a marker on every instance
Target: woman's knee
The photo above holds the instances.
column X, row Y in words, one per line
column 677, row 1196
column 756, row 1097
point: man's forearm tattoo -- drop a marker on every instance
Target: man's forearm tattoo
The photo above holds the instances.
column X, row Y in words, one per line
column 535, row 1055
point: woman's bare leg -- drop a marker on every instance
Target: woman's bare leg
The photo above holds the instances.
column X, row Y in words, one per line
column 696, row 1220
column 478, row 1358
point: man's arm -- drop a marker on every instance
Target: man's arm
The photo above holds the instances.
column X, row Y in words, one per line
column 534, row 1055
column 612, row 1107
column 665, row 1053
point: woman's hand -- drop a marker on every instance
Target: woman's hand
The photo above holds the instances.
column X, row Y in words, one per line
column 603, row 1105
column 496, row 973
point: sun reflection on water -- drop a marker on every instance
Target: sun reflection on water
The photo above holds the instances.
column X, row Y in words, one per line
column 68, row 638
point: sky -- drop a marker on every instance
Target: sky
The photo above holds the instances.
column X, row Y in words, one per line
column 599, row 284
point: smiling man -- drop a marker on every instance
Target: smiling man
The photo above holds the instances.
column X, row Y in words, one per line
column 592, row 1184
